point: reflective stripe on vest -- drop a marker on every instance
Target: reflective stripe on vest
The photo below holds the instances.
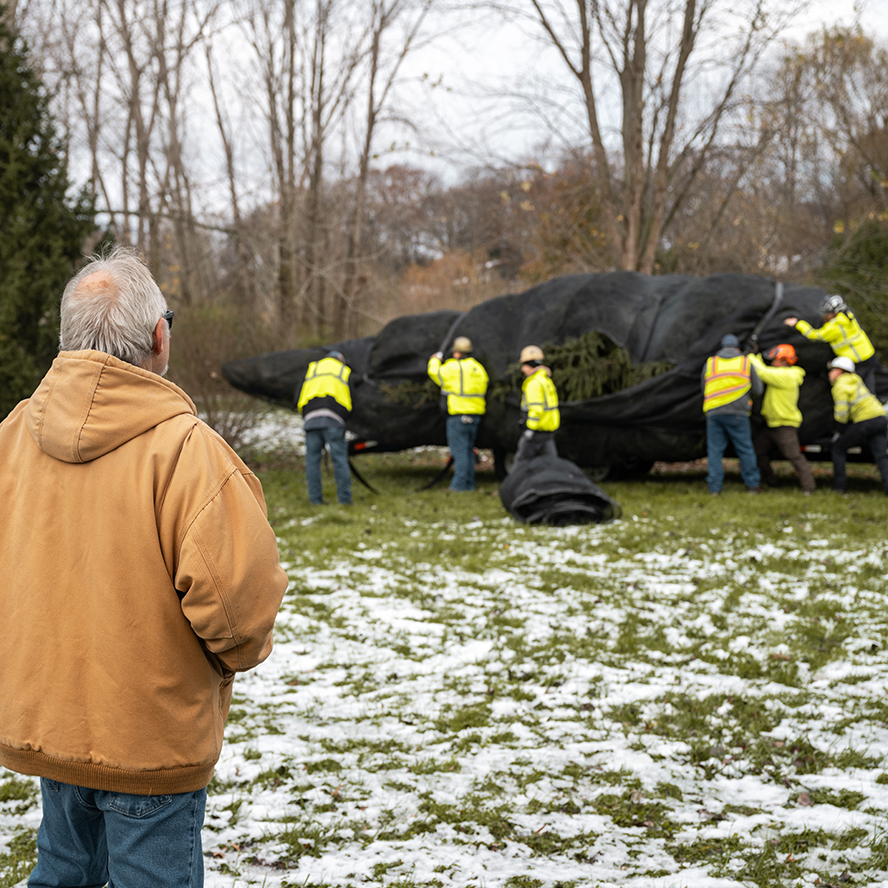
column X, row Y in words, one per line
column 845, row 409
column 854, row 343
column 727, row 379
column 535, row 394
column 843, row 334
column 327, row 378
column 465, row 391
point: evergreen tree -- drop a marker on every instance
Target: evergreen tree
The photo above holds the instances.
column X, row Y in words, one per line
column 42, row 228
column 856, row 265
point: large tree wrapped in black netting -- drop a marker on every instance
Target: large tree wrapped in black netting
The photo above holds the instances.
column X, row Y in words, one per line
column 626, row 352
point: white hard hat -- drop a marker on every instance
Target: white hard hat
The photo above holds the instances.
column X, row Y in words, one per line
column 530, row 353
column 845, row 364
column 462, row 344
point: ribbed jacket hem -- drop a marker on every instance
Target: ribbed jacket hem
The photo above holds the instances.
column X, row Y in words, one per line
column 166, row 781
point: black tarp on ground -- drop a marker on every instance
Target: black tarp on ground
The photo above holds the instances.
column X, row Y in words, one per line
column 674, row 318
column 548, row 490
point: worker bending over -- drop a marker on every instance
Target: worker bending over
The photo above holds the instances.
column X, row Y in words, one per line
column 860, row 419
column 325, row 402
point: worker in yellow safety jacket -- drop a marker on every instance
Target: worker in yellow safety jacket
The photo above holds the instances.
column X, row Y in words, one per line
column 325, row 403
column 781, row 416
column 842, row 331
column 463, row 382
column 860, row 419
column 729, row 379
column 539, row 406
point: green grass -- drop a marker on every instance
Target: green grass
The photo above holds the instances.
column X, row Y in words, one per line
column 673, row 690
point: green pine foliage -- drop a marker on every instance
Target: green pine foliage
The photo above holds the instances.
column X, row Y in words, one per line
column 856, row 266
column 593, row 365
column 587, row 366
column 42, row 228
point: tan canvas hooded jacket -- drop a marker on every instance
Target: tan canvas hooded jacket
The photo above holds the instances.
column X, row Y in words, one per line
column 139, row 572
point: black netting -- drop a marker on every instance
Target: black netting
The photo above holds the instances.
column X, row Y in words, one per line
column 549, row 490
column 603, row 332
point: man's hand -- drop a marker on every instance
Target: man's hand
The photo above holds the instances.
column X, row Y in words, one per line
column 528, row 434
column 438, row 355
column 790, row 322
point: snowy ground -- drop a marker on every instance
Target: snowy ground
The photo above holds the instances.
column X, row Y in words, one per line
column 487, row 704
column 565, row 716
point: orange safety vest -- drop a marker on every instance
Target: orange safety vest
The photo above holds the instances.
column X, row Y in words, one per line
column 726, row 380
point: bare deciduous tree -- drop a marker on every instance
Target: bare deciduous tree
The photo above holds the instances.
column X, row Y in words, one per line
column 657, row 81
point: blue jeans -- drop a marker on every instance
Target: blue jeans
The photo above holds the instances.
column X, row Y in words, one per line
column 89, row 837
column 462, row 431
column 720, row 429
column 334, row 438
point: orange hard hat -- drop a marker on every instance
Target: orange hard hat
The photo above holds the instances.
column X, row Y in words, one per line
column 785, row 351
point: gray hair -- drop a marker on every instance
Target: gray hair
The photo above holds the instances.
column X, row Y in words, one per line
column 115, row 312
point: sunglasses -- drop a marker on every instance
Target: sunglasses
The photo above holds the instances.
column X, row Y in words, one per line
column 168, row 317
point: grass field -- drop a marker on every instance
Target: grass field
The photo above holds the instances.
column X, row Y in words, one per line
column 693, row 695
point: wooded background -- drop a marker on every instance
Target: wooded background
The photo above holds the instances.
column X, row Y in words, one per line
column 256, row 152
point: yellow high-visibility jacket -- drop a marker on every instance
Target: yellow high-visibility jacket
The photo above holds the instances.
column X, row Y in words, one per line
column 725, row 380
column 853, row 401
column 463, row 382
column 844, row 334
column 326, row 385
column 780, row 406
column 540, row 401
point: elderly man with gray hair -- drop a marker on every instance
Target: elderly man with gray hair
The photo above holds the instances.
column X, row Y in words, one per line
column 139, row 575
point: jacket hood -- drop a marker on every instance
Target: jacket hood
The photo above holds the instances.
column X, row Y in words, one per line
column 90, row 403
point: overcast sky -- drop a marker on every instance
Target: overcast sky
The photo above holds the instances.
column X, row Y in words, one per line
column 472, row 65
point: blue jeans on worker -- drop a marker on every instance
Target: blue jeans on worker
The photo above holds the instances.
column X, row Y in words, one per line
column 720, row 429
column 462, row 432
column 90, row 837
column 334, row 438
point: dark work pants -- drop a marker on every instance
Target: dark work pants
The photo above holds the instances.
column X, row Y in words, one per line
column 539, row 444
column 787, row 440
column 871, row 432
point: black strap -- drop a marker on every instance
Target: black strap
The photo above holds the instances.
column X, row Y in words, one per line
column 439, row 476
column 752, row 341
column 451, row 331
column 357, row 475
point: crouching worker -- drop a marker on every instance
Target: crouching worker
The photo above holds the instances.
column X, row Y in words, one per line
column 139, row 575
column 463, row 382
column 860, row 418
column 780, row 414
column 539, row 407
column 325, row 402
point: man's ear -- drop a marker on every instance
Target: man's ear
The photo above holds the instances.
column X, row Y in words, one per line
column 157, row 342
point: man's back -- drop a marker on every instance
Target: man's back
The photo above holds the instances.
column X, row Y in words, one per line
column 139, row 574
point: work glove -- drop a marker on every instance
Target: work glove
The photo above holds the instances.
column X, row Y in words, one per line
column 528, row 434
column 438, row 355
